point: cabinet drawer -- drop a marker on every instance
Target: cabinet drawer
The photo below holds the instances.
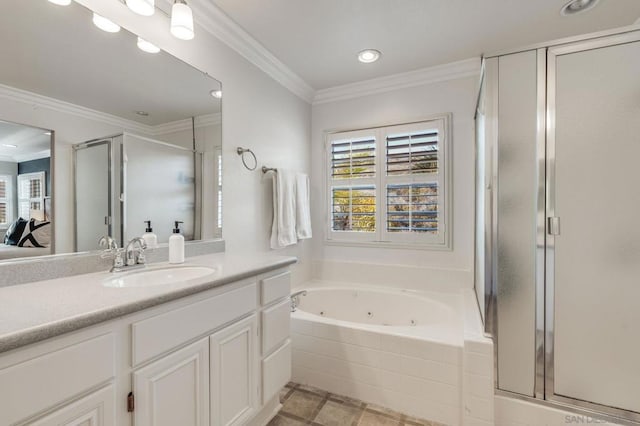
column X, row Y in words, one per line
column 276, row 287
column 96, row 409
column 30, row 387
column 276, row 325
column 159, row 334
column 276, row 372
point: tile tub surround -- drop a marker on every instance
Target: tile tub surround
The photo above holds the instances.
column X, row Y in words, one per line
column 40, row 310
column 305, row 405
column 423, row 376
column 21, row 271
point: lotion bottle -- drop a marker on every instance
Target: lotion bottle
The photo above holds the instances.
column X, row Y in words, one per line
column 149, row 237
column 176, row 245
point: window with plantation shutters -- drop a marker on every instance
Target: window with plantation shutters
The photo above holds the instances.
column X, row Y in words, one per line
column 389, row 186
column 352, row 174
column 5, row 201
column 31, row 193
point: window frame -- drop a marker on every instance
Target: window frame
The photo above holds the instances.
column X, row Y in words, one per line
column 40, row 176
column 382, row 237
column 8, row 200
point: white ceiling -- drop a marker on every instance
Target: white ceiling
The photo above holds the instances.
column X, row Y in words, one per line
column 31, row 142
column 319, row 39
column 57, row 52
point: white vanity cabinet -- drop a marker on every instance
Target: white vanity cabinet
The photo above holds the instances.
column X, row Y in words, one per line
column 215, row 358
column 275, row 325
column 233, row 371
column 96, row 409
column 175, row 389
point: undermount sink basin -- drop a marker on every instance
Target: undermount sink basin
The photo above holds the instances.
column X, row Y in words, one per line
column 158, row 276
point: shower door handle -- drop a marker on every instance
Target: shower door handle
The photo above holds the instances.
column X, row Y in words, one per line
column 553, row 225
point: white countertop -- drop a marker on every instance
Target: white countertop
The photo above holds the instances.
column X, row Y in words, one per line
column 37, row 311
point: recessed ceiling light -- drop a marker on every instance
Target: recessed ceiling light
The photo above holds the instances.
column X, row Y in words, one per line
column 369, row 55
column 216, row 93
column 61, row 2
column 105, row 24
column 577, row 6
column 145, row 46
column 9, row 145
column 141, row 7
column 47, row 133
column 142, row 113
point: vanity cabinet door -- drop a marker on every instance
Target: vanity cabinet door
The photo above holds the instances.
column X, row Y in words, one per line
column 234, row 369
column 175, row 389
column 96, row 409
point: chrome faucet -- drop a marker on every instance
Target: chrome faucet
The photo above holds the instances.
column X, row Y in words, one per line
column 112, row 252
column 295, row 299
column 135, row 255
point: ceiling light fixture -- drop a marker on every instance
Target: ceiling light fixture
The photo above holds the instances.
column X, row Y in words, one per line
column 577, row 6
column 47, row 133
column 182, row 20
column 145, row 46
column 216, row 94
column 368, row 56
column 9, row 145
column 141, row 7
column 105, row 24
column 61, row 2
column 142, row 113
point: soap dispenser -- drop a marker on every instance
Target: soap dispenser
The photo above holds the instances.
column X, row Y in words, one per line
column 176, row 245
column 149, row 237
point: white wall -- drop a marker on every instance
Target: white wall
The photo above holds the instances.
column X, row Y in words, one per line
column 258, row 113
column 430, row 267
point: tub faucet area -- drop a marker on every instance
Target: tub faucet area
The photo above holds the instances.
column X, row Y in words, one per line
column 295, row 299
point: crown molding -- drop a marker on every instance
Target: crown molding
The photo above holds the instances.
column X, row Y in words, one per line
column 180, row 125
column 23, row 96
column 19, row 95
column 451, row 71
column 213, row 20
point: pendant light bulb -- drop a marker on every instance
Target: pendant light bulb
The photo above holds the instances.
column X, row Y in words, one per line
column 145, row 46
column 105, row 24
column 61, row 2
column 182, row 20
column 142, row 7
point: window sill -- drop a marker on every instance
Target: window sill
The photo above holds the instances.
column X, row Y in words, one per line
column 390, row 245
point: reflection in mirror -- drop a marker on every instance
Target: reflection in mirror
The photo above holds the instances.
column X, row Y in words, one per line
column 25, row 191
column 136, row 135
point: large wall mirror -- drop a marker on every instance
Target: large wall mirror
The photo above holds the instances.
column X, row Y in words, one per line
column 98, row 135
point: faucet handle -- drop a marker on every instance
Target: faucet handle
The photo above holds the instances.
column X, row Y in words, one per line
column 118, row 261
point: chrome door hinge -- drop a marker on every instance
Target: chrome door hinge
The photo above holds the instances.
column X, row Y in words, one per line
column 553, row 225
column 131, row 403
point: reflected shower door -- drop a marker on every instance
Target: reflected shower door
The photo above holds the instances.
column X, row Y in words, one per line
column 593, row 281
column 160, row 186
column 93, row 189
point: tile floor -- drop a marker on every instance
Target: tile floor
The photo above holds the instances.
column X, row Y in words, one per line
column 304, row 405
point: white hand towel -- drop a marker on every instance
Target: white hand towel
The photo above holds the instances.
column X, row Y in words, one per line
column 303, row 208
column 283, row 230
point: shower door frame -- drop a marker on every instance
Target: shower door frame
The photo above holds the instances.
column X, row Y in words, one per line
column 549, row 282
column 86, row 145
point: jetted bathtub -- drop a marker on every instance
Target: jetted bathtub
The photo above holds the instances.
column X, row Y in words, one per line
column 400, row 349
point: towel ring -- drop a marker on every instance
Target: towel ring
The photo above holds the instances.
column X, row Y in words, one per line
column 241, row 152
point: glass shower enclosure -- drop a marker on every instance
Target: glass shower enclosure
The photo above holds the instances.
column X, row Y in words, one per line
column 123, row 180
column 557, row 214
